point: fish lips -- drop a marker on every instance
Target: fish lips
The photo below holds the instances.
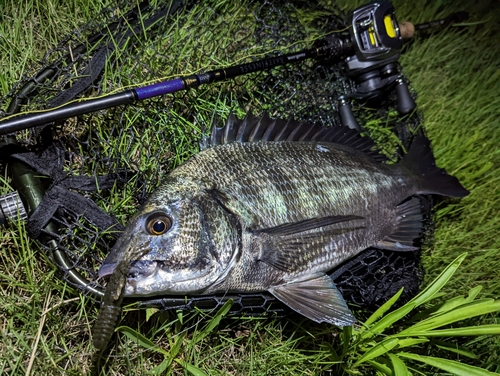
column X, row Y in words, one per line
column 139, row 269
column 152, row 277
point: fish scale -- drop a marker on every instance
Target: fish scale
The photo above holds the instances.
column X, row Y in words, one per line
column 260, row 177
column 277, row 214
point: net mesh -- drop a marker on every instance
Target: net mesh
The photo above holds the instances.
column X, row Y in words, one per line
column 116, row 157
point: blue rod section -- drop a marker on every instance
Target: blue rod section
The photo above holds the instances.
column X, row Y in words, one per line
column 160, row 88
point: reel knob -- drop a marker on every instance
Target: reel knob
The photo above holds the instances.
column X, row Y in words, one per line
column 404, row 102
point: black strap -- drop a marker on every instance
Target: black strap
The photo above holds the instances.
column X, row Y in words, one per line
column 60, row 194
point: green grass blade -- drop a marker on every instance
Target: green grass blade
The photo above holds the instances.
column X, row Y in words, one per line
column 378, row 350
column 381, row 367
column 334, row 356
column 467, row 311
column 346, row 338
column 433, row 288
column 474, row 292
column 455, row 348
column 213, row 322
column 141, row 339
column 447, row 365
column 190, row 368
column 383, row 308
column 399, row 366
column 407, row 342
column 388, row 320
column 450, row 304
column 457, row 301
column 150, row 312
column 160, row 368
column 179, row 340
column 491, row 329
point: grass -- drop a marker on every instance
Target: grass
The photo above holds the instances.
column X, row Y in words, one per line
column 46, row 325
column 29, row 29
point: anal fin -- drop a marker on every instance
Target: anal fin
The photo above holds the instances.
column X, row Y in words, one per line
column 409, row 227
column 316, row 298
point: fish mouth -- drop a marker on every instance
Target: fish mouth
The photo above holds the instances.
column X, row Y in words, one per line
column 143, row 269
column 138, row 270
column 153, row 277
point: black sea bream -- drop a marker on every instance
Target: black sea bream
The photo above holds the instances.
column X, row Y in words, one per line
column 272, row 205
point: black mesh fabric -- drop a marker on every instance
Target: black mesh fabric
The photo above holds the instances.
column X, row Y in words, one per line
column 99, row 175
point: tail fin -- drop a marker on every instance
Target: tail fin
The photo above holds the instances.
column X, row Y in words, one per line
column 432, row 179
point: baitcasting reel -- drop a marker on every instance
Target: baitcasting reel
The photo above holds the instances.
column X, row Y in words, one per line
column 377, row 40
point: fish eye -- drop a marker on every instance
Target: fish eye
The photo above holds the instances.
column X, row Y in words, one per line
column 158, row 224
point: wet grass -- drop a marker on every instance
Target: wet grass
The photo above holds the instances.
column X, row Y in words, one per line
column 45, row 325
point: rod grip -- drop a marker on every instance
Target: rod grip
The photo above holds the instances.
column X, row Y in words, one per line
column 407, row 30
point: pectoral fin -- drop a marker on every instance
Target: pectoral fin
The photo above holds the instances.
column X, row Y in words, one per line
column 307, row 224
column 317, row 298
column 288, row 253
column 286, row 246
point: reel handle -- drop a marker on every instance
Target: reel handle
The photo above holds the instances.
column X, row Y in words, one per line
column 404, row 102
column 346, row 115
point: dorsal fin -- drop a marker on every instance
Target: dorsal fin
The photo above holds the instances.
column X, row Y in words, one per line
column 258, row 129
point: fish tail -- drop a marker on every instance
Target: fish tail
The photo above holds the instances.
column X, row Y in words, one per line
column 432, row 179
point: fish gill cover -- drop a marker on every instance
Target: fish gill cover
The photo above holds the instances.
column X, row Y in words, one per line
column 102, row 166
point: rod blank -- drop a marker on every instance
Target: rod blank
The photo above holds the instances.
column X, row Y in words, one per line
column 330, row 48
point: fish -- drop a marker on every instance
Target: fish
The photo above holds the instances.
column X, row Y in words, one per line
column 273, row 205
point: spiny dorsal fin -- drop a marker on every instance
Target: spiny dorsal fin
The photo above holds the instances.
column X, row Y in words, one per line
column 259, row 129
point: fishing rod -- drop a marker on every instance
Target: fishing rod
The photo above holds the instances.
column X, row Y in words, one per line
column 331, row 47
column 374, row 41
column 335, row 47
